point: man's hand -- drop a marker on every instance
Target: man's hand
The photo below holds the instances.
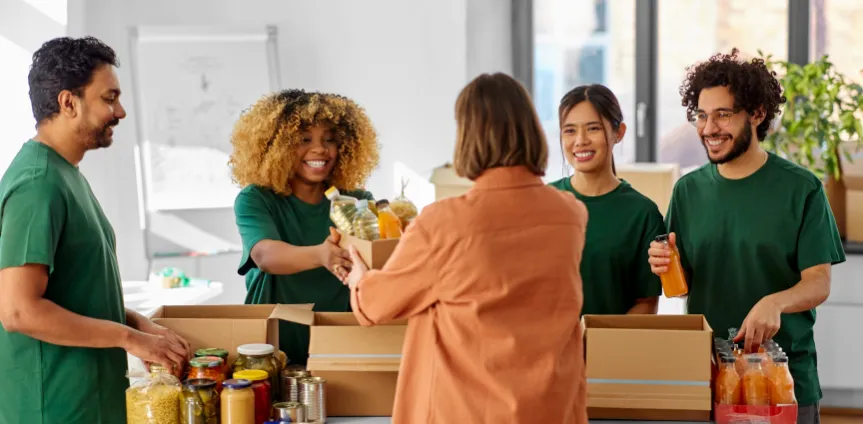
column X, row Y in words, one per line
column 158, row 349
column 333, row 257
column 761, row 324
column 358, row 270
column 660, row 254
column 149, row 327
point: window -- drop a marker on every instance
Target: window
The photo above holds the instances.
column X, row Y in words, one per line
column 836, row 32
column 690, row 32
column 579, row 42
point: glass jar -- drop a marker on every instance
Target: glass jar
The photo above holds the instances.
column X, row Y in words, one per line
column 217, row 352
column 200, row 404
column 238, row 402
column 259, row 357
column 208, row 367
column 263, row 392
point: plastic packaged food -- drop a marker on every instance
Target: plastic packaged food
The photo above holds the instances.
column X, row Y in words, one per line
column 238, row 402
column 262, row 390
column 673, row 280
column 403, row 207
column 365, row 223
column 208, row 367
column 342, row 210
column 389, row 224
column 728, row 383
column 259, row 357
column 781, row 382
column 153, row 398
column 756, row 389
column 200, row 403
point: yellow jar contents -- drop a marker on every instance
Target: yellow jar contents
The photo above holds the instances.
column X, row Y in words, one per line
column 154, row 399
column 238, row 402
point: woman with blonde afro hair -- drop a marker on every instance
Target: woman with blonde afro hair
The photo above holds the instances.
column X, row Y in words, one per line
column 288, row 148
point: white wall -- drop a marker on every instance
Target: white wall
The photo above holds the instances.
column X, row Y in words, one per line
column 405, row 61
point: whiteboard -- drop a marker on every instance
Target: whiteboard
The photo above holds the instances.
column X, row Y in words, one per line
column 191, row 84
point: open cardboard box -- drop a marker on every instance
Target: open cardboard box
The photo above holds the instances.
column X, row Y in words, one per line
column 648, row 367
column 374, row 253
column 226, row 326
column 360, row 364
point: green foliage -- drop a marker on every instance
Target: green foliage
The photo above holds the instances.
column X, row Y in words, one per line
column 822, row 119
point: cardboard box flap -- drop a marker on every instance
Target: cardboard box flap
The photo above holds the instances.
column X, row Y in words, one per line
column 647, row 322
column 300, row 315
column 214, row 311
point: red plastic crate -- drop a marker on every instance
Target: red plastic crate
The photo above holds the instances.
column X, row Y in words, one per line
column 745, row 414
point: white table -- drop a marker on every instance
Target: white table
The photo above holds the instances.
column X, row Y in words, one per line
column 145, row 297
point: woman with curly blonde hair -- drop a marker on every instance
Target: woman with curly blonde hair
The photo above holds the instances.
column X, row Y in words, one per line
column 289, row 148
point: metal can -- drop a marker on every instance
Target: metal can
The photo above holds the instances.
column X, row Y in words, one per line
column 290, row 387
column 292, row 412
column 313, row 395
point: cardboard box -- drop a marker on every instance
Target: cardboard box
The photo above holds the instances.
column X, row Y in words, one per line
column 743, row 414
column 853, row 181
column 374, row 253
column 648, row 367
column 448, row 184
column 226, row 326
column 360, row 364
column 654, row 180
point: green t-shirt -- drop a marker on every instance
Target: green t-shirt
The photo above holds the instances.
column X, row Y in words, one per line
column 51, row 217
column 741, row 240
column 263, row 214
column 614, row 269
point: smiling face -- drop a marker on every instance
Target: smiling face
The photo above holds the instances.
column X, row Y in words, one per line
column 725, row 133
column 317, row 155
column 588, row 139
column 100, row 109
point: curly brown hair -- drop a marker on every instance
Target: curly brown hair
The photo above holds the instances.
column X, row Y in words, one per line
column 266, row 136
column 750, row 81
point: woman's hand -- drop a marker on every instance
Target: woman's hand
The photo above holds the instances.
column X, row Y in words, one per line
column 358, row 269
column 333, row 257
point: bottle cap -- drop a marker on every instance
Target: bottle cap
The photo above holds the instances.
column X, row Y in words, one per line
column 199, row 383
column 382, row 203
column 236, row 384
column 727, row 359
column 206, row 362
column 780, row 359
column 332, row 193
column 251, row 375
column 256, row 349
column 212, row 351
column 662, row 238
column 753, row 359
column 362, row 205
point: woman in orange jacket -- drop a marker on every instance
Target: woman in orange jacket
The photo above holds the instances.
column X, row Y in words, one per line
column 489, row 281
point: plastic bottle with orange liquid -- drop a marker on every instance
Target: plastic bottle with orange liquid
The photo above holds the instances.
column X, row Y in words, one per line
column 389, row 223
column 673, row 280
column 781, row 382
column 728, row 383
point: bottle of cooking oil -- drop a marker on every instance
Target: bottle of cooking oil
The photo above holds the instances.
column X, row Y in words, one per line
column 366, row 223
column 343, row 209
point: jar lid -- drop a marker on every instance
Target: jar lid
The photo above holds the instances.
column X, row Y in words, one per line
column 157, row 368
column 236, row 383
column 252, row 375
column 212, row 351
column 199, row 383
column 256, row 349
column 206, row 362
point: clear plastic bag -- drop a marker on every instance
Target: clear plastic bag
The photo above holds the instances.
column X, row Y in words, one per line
column 153, row 398
column 405, row 209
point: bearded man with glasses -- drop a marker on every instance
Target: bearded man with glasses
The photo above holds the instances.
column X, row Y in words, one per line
column 755, row 233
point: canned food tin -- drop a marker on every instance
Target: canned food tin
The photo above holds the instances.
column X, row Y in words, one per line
column 292, row 412
column 290, row 387
column 313, row 395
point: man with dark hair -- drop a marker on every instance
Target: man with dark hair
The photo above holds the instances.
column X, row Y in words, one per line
column 64, row 327
column 755, row 233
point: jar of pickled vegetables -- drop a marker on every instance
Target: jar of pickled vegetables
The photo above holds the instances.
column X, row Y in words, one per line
column 262, row 390
column 259, row 357
column 209, row 367
column 217, row 352
column 238, row 402
column 200, row 402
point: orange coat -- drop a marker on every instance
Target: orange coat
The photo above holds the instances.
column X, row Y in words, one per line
column 490, row 285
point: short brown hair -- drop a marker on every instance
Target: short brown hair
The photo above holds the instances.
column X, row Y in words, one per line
column 497, row 126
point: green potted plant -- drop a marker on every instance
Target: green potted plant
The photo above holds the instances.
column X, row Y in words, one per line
column 821, row 124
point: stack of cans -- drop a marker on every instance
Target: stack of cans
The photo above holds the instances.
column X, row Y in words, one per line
column 290, row 384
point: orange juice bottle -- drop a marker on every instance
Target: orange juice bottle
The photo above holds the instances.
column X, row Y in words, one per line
column 728, row 387
column 781, row 382
column 389, row 223
column 756, row 385
column 673, row 280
